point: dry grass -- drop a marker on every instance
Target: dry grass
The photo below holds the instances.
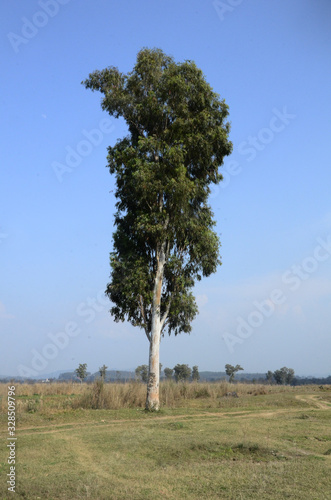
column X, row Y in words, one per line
column 63, row 388
column 62, row 396
column 270, row 443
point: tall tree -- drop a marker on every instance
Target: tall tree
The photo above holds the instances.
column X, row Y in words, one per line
column 164, row 238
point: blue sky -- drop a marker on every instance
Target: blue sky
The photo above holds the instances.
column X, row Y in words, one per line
column 269, row 303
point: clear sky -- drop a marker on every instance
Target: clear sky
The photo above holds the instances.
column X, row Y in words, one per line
column 269, row 304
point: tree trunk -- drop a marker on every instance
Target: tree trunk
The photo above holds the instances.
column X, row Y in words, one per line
column 153, row 400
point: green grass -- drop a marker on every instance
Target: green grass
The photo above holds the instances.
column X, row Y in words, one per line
column 269, row 446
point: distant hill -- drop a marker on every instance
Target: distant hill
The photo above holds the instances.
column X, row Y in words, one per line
column 111, row 375
column 126, row 375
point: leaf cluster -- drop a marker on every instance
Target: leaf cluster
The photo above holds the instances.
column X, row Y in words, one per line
column 177, row 140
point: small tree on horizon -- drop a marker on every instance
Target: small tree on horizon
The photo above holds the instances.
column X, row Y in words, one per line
column 182, row 372
column 102, row 371
column 142, row 373
column 168, row 373
column 195, row 373
column 284, row 375
column 231, row 371
column 81, row 372
column 269, row 376
column 164, row 238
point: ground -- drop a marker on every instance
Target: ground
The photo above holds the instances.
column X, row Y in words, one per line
column 263, row 445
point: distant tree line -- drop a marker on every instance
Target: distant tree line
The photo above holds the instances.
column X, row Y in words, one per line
column 179, row 373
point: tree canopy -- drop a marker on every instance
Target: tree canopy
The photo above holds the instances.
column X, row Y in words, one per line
column 284, row 375
column 168, row 373
column 182, row 372
column 81, row 371
column 231, row 371
column 195, row 373
column 142, row 373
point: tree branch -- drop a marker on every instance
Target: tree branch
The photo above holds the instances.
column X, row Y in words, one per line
column 165, row 315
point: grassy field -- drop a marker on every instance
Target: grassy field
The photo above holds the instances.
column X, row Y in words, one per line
column 76, row 442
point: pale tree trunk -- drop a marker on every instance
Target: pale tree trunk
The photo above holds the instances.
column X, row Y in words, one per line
column 153, row 400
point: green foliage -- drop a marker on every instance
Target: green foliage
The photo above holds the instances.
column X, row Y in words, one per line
column 269, row 376
column 284, row 375
column 81, row 371
column 182, row 372
column 168, row 373
column 195, row 373
column 142, row 373
column 177, row 140
column 231, row 371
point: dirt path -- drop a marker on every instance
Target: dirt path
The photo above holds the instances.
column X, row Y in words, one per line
column 311, row 398
column 46, row 429
column 55, row 428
